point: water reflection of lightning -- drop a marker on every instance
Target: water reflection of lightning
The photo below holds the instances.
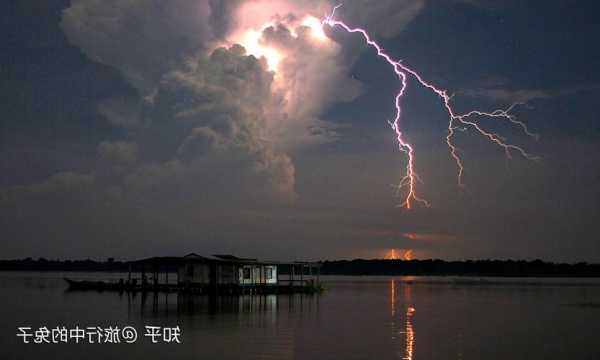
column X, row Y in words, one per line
column 408, row 330
column 456, row 121
column 410, row 334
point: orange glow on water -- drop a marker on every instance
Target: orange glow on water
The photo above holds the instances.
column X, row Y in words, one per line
column 410, row 334
column 407, row 330
column 393, row 297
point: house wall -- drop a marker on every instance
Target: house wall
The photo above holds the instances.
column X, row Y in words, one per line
column 194, row 273
column 273, row 272
column 257, row 274
column 200, row 273
column 227, row 274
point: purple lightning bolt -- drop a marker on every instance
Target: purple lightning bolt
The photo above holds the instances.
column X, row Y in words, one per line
column 456, row 121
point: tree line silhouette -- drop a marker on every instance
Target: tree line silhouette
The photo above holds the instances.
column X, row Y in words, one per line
column 511, row 268
column 434, row 267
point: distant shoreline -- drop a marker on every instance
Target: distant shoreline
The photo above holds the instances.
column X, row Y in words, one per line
column 357, row 267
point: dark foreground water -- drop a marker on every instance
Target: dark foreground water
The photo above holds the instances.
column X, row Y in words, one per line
column 356, row 318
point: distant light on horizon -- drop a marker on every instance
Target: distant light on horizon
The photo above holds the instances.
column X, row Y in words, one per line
column 395, row 254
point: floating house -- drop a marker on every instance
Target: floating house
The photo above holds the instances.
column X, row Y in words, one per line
column 215, row 274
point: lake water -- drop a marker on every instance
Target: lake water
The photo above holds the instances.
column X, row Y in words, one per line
column 355, row 318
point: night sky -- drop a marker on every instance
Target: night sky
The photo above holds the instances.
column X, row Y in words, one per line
column 127, row 131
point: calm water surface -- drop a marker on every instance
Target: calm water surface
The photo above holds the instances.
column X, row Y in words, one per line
column 356, row 318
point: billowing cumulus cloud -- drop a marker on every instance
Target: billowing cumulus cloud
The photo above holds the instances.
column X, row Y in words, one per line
column 216, row 107
column 309, row 75
column 142, row 38
column 206, row 104
column 122, row 112
column 214, row 130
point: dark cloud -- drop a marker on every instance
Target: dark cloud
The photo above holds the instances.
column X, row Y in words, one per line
column 143, row 39
column 221, row 15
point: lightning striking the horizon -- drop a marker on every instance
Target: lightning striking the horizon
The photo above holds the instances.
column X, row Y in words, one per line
column 456, row 121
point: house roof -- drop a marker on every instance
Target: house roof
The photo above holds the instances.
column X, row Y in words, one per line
column 233, row 258
column 195, row 258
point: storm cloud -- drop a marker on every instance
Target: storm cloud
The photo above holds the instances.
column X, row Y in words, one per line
column 195, row 144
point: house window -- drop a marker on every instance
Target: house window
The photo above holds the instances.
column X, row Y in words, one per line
column 246, row 273
column 269, row 273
